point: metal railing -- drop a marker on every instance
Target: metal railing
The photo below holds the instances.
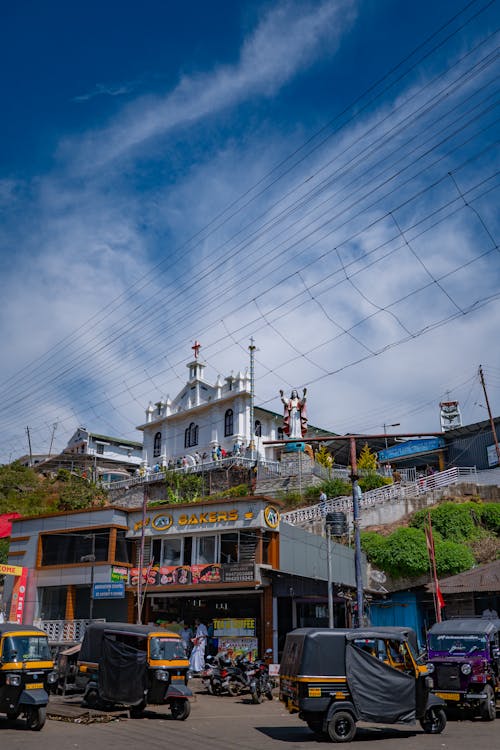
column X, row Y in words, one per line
column 386, row 494
column 271, row 467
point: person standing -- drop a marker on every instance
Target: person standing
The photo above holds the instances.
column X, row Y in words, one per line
column 197, row 658
column 187, row 634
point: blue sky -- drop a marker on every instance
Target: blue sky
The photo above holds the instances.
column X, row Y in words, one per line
column 318, row 175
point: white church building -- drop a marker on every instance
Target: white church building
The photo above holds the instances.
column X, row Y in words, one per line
column 204, row 416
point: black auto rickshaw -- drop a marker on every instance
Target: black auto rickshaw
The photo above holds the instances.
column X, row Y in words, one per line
column 135, row 665
column 335, row 677
column 26, row 673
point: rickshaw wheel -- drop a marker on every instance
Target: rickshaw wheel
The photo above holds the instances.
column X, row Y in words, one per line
column 488, row 706
column 180, row 709
column 341, row 727
column 35, row 717
column 434, row 720
column 91, row 698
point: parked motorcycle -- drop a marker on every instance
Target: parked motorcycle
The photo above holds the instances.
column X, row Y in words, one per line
column 215, row 673
column 240, row 676
column 262, row 684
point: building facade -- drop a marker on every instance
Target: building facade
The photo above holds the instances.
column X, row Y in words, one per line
column 213, row 561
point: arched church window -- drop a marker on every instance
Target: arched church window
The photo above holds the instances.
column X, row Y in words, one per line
column 228, row 423
column 157, row 445
column 191, row 435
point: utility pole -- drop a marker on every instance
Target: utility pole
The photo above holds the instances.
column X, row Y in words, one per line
column 29, row 445
column 91, row 559
column 252, row 349
column 54, row 427
column 357, row 535
column 330, row 574
column 141, row 554
column 492, row 423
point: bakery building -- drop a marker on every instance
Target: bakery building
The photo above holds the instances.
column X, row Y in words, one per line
column 218, row 560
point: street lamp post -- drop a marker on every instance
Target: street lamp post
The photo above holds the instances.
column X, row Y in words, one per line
column 91, row 559
column 330, row 574
column 394, row 424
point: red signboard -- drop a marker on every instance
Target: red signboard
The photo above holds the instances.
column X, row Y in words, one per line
column 18, row 597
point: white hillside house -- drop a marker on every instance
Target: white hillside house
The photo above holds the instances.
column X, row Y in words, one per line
column 204, row 416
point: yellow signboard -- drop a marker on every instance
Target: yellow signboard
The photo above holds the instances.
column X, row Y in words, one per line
column 10, row 570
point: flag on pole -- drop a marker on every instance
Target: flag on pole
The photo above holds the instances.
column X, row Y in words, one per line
column 439, row 602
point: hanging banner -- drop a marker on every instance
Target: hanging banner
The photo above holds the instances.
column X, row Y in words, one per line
column 18, row 597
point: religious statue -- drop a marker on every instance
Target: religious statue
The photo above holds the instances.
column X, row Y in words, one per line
column 295, row 415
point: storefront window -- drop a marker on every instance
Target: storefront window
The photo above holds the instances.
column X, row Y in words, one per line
column 52, row 603
column 68, row 549
column 206, row 550
column 229, row 547
column 123, row 552
column 171, row 552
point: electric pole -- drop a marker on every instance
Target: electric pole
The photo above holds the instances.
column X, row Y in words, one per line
column 251, row 349
column 492, row 423
column 29, row 445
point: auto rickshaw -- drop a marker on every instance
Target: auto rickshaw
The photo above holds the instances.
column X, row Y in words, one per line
column 335, row 677
column 135, row 665
column 26, row 673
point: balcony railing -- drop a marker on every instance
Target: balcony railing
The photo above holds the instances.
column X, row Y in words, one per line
column 64, row 631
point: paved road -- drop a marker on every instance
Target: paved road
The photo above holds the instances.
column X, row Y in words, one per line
column 234, row 724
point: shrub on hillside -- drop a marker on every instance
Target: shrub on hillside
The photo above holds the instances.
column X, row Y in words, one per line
column 452, row 558
column 490, row 517
column 455, row 522
column 373, row 482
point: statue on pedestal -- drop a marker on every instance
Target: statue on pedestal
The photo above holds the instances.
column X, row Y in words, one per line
column 295, row 415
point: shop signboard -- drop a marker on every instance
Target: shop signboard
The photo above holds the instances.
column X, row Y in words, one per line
column 244, row 514
column 238, row 572
column 119, row 574
column 237, row 646
column 234, row 627
column 109, row 590
column 177, row 575
column 18, row 596
column 492, row 455
column 410, row 448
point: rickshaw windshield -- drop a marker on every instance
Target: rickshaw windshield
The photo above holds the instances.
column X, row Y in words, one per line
column 458, row 644
column 166, row 649
column 26, row 648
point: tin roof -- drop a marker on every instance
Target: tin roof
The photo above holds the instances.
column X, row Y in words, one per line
column 482, row 578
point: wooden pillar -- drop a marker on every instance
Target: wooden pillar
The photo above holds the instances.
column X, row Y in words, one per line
column 131, row 609
column 69, row 613
column 112, row 546
column 266, row 608
column 441, row 460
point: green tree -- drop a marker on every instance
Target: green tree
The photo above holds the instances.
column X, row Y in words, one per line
column 323, row 457
column 367, row 461
column 183, row 488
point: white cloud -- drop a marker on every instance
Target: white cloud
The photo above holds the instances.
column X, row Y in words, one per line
column 286, row 40
column 85, row 240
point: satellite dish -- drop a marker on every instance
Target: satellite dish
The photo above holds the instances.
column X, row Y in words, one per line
column 378, row 576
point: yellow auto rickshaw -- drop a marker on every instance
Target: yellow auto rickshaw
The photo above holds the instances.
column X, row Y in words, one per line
column 135, row 665
column 335, row 677
column 26, row 673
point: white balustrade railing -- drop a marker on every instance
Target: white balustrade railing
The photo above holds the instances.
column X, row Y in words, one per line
column 386, row 494
column 64, row 631
column 264, row 467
